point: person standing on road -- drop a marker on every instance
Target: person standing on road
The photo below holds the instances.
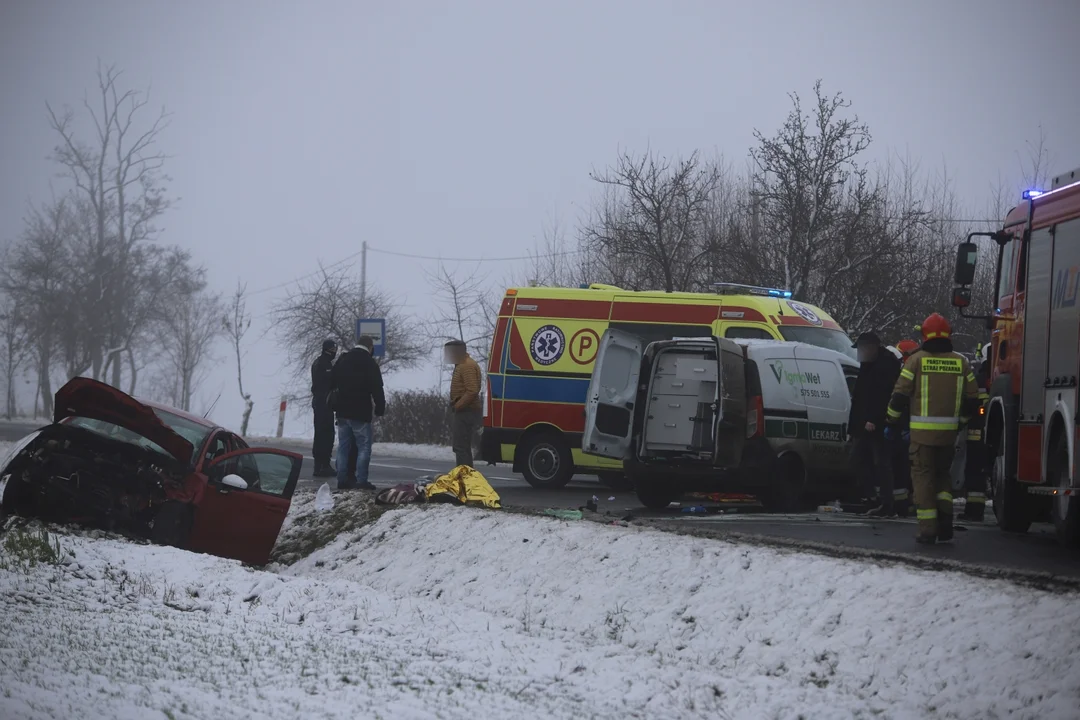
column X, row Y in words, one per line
column 975, row 462
column 466, row 410
column 323, row 444
column 878, row 369
column 937, row 388
column 900, row 436
column 357, row 396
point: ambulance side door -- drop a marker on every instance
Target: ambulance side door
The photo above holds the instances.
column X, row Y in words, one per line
column 609, row 405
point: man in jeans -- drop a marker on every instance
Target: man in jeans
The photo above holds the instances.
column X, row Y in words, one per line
column 357, row 396
column 467, row 412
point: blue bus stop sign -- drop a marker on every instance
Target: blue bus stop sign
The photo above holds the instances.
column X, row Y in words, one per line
column 376, row 328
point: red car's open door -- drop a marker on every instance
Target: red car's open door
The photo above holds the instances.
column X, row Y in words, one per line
column 242, row 520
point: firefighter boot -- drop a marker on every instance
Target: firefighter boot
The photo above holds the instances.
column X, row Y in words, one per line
column 944, row 517
column 975, row 509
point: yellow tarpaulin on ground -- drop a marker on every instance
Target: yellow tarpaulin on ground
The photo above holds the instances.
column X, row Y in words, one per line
column 467, row 485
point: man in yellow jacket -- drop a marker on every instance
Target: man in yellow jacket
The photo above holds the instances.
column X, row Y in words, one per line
column 937, row 388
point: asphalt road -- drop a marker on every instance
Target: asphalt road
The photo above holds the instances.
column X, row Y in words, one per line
column 978, row 544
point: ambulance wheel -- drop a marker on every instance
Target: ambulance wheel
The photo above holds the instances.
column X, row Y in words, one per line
column 1011, row 506
column 547, row 462
column 615, row 480
column 656, row 494
column 786, row 494
column 1066, row 508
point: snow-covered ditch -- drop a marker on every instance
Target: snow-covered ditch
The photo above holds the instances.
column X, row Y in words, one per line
column 444, row 612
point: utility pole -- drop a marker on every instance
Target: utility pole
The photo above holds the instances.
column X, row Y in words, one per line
column 363, row 276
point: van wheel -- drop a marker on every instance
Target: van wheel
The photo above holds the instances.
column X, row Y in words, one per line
column 615, row 480
column 548, row 464
column 656, row 494
column 1011, row 506
column 1065, row 508
column 172, row 524
column 786, row 494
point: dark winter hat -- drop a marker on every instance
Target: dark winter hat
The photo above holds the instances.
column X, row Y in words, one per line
column 455, row 343
column 867, row 338
column 329, row 345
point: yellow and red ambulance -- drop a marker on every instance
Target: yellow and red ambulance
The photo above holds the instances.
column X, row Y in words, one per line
column 545, row 343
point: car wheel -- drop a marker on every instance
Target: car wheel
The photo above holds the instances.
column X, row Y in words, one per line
column 615, row 480
column 1065, row 508
column 1011, row 506
column 172, row 524
column 548, row 463
column 656, row 494
column 786, row 494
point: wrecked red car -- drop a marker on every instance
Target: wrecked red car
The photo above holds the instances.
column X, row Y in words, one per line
column 114, row 462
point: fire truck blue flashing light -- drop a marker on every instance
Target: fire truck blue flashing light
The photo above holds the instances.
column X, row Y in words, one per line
column 1032, row 194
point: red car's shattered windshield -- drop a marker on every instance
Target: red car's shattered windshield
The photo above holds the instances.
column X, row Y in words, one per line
column 192, row 432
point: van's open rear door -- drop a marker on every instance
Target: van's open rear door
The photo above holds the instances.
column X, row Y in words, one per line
column 609, row 406
column 730, row 421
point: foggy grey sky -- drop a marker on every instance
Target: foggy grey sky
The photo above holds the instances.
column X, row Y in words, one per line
column 300, row 129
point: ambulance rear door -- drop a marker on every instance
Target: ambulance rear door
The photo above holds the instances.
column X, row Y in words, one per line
column 609, row 405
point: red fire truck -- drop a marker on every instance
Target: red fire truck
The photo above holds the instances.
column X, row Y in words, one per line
column 1032, row 416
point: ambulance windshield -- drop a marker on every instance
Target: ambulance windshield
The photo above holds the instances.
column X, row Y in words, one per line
column 822, row 337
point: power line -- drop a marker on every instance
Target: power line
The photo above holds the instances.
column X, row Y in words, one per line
column 473, row 259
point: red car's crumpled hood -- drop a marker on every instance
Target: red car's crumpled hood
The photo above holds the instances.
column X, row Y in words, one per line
column 96, row 400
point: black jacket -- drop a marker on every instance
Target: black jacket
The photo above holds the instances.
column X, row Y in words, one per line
column 356, row 382
column 321, row 371
column 873, row 389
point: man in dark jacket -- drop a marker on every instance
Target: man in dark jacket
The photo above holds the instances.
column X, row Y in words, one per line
column 357, row 397
column 323, row 444
column 878, row 370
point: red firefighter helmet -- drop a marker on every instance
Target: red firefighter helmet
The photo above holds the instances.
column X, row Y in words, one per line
column 907, row 347
column 935, row 327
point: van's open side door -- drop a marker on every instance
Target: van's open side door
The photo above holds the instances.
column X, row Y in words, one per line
column 731, row 401
column 609, row 406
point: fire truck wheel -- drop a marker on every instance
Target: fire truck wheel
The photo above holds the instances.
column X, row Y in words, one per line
column 656, row 494
column 1065, row 508
column 1011, row 507
column 786, row 495
column 615, row 480
column 548, row 462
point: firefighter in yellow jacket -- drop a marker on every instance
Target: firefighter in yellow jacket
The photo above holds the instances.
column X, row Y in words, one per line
column 937, row 388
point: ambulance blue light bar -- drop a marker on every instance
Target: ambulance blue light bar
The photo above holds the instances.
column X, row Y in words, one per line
column 1031, row 194
column 739, row 289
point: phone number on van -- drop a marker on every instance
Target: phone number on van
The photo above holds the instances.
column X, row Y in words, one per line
column 815, row 393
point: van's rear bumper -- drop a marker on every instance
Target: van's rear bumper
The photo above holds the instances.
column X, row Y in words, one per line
column 754, row 475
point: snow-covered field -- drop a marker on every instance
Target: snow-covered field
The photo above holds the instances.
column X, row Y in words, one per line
column 444, row 612
column 435, row 453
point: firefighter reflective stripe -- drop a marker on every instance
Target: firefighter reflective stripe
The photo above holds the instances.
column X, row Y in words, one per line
column 977, row 498
column 926, row 514
column 971, row 377
column 959, row 394
column 944, row 496
column 905, row 373
column 925, row 422
column 900, row 494
column 893, row 413
column 951, row 365
column 924, row 396
column 974, row 435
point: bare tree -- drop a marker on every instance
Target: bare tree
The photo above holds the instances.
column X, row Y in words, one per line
column 462, row 310
column 236, row 324
column 119, row 185
column 327, row 306
column 648, row 229
column 188, row 333
column 14, row 354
